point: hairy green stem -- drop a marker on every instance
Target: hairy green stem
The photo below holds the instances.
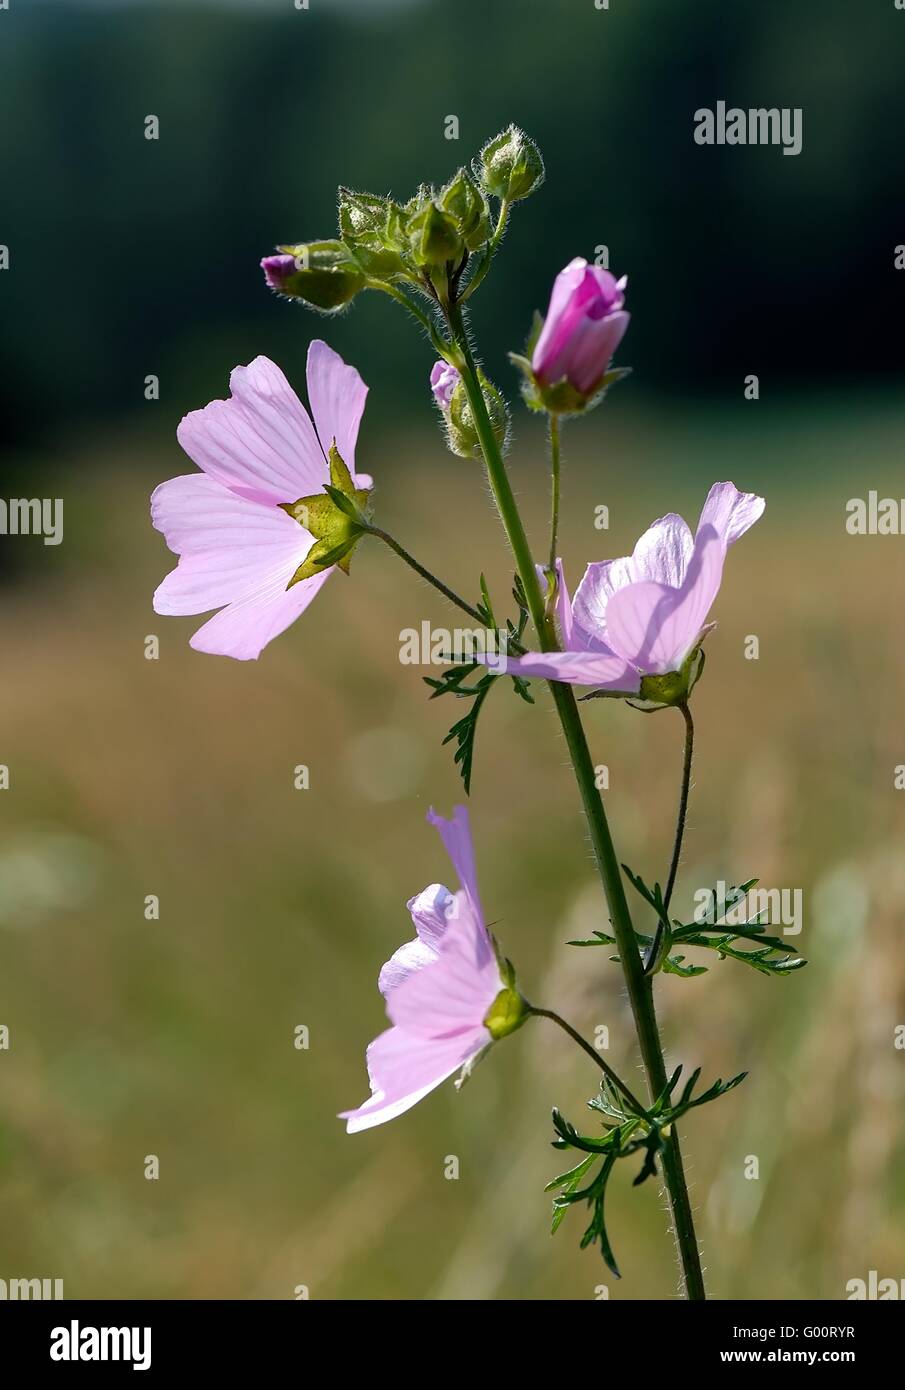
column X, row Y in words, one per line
column 638, row 985
column 592, row 1052
column 419, row 569
column 554, row 489
column 683, row 804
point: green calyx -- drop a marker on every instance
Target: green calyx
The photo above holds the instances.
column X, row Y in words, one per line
column 337, row 518
column 672, row 687
column 326, row 277
column 507, row 1013
column 510, row 166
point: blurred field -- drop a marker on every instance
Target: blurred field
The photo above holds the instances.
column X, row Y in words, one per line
column 174, row 777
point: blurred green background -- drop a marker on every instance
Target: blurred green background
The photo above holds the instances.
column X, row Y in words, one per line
column 174, row 777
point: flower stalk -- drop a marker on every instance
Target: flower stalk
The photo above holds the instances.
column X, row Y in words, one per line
column 639, row 986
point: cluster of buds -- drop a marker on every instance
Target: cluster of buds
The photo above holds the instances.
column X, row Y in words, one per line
column 425, row 243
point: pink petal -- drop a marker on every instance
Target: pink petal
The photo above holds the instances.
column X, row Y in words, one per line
column 663, row 552
column 429, row 911
column 730, row 512
column 456, row 837
column 244, row 629
column 260, row 442
column 654, row 627
column 599, row 582
column 603, row 670
column 404, row 1069
column 229, row 546
column 337, row 397
column 456, row 990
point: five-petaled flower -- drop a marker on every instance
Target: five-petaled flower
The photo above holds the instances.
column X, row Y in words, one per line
column 638, row 619
column 238, row 526
column 448, row 995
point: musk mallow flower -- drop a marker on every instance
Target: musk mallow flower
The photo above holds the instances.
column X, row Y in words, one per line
column 448, row 993
column 636, row 624
column 256, row 534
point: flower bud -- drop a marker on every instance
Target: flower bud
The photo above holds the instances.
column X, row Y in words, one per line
column 510, row 166
column 434, row 237
column 373, row 230
column 321, row 273
column 584, row 326
column 467, row 206
column 461, row 431
column 444, row 380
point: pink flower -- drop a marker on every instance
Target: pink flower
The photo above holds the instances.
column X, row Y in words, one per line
column 645, row 614
column 440, row 992
column 584, row 326
column 238, row 551
column 444, row 380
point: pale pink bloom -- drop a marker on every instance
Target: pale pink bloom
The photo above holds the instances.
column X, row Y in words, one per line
column 644, row 614
column 237, row 549
column 584, row 326
column 444, row 380
column 438, row 988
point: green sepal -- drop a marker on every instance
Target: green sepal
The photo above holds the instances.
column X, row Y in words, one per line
column 464, row 202
column 327, row 277
column 434, row 238
column 337, row 518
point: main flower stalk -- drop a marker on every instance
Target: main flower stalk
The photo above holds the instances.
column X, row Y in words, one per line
column 640, row 988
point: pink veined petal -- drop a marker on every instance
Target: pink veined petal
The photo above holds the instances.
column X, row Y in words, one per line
column 599, row 582
column 429, row 911
column 337, row 397
column 244, row 628
column 451, row 995
column 653, row 626
column 403, row 1070
column 730, row 512
column 260, row 442
column 456, row 837
column 592, row 347
column 603, row 670
column 563, row 606
column 228, row 546
column 663, row 552
column 572, row 292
